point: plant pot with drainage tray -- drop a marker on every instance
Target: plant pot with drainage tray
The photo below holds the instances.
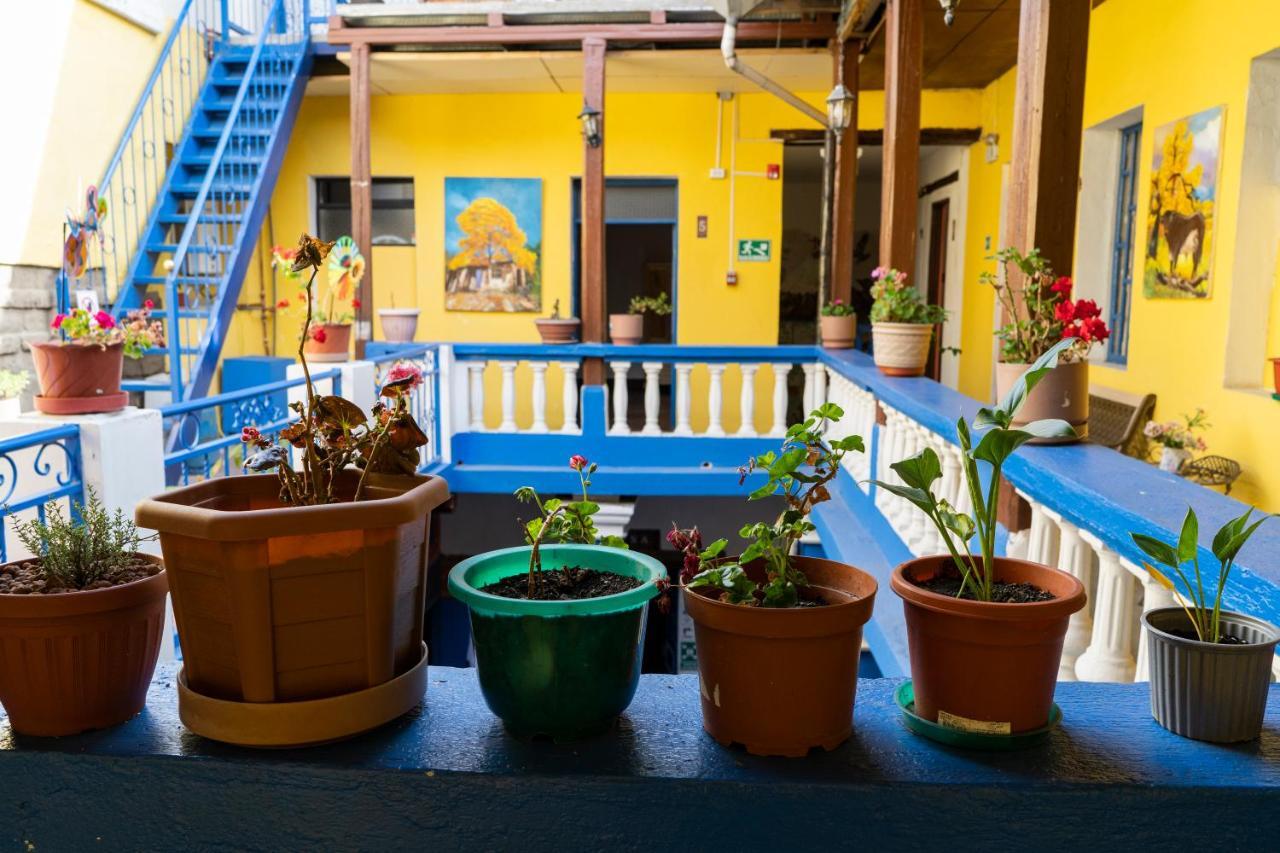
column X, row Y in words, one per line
column 559, row 628
column 985, row 633
column 1210, row 668
column 902, row 326
column 80, row 373
column 779, row 636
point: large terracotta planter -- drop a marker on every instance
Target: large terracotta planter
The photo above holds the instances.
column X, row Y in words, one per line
column 77, row 661
column 838, row 332
column 783, row 681
column 399, row 325
column 557, row 331
column 983, row 667
column 901, row 349
column 626, row 329
column 78, row 379
column 282, row 610
column 1062, row 393
column 335, row 347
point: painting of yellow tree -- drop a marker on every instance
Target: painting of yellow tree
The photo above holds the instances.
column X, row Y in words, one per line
column 493, row 244
column 1180, row 215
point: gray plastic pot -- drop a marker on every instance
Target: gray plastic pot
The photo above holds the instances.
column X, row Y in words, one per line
column 1209, row 691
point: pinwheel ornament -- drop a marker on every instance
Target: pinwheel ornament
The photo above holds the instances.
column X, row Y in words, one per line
column 75, row 253
column 346, row 267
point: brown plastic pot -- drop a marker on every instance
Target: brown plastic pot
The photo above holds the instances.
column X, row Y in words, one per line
column 626, row 329
column 78, row 379
column 278, row 604
column 77, row 661
column 558, row 331
column 983, row 667
column 1275, row 365
column 1062, row 393
column 335, row 347
column 838, row 332
column 781, row 682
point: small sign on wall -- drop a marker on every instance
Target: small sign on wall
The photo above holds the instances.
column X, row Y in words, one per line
column 755, row 250
column 702, row 227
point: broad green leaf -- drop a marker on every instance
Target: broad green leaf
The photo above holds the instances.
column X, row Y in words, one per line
column 1188, row 538
column 1161, row 552
column 850, row 443
column 919, row 471
column 1239, row 539
column 828, row 411
column 715, row 549
column 962, row 433
column 999, row 444
column 957, row 522
column 754, row 550
column 551, row 505
column 764, row 491
column 1031, row 377
column 991, row 418
column 1228, row 530
column 780, row 594
column 615, row 542
column 1050, row 428
column 788, row 462
column 919, row 497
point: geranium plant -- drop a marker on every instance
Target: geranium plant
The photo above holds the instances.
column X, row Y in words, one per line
column 899, row 302
column 138, row 332
column 799, row 472
column 837, row 308
column 921, row 472
column 332, row 433
column 658, row 306
column 1179, row 435
column 1040, row 310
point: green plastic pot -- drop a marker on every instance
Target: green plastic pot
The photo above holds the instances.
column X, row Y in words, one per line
column 564, row 669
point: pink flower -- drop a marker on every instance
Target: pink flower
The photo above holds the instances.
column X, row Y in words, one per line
column 577, row 462
column 104, row 321
column 878, row 273
column 838, row 302
column 405, row 370
column 148, row 304
column 57, row 321
column 249, row 435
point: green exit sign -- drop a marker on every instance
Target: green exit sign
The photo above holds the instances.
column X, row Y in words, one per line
column 754, row 250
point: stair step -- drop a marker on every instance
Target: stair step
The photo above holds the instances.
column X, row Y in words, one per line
column 218, row 189
column 215, row 133
column 224, row 104
column 182, row 279
column 222, row 80
column 203, row 159
column 206, row 219
column 171, row 248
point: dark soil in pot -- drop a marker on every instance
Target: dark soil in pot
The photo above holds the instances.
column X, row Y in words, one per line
column 565, row 584
column 1001, row 593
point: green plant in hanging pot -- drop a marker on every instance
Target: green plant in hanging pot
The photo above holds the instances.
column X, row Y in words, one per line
column 985, row 632
column 902, row 325
column 559, row 623
column 628, row 329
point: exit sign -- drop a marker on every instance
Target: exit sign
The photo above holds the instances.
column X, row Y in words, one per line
column 754, row 250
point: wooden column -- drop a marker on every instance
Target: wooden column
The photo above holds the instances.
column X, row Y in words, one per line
column 845, row 67
column 592, row 303
column 904, row 51
column 362, row 189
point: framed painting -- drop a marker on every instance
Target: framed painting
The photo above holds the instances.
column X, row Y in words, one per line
column 493, row 244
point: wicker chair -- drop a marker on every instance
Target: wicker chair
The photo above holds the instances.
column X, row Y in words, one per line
column 1212, row 471
column 1116, row 419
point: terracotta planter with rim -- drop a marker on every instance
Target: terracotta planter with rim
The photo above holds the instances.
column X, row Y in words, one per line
column 838, row 332
column 901, row 349
column 298, row 625
column 626, row 329
column 781, row 682
column 399, row 325
column 335, row 347
column 1062, row 393
column 983, row 667
column 1275, row 365
column 76, row 661
column 78, row 379
column 558, row 331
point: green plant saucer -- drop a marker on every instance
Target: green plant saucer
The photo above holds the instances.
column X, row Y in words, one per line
column 906, row 698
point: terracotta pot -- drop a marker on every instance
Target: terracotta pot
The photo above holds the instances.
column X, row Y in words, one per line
column 901, row 349
column 77, row 661
column 78, row 379
column 1275, row 365
column 399, row 325
column 558, row 331
column 336, row 345
column 983, row 667
column 783, row 681
column 626, row 329
column 838, row 332
column 283, row 605
column 1063, row 393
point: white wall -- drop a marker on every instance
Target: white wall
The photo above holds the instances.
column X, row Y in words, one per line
column 938, row 162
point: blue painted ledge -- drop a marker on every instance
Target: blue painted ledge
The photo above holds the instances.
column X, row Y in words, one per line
column 448, row 777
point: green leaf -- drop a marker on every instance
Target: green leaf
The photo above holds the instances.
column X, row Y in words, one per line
column 715, row 549
column 764, row 491
column 919, row 497
column 828, row 411
column 850, row 443
column 1238, row 540
column 780, row 593
column 992, row 418
column 754, row 551
column 962, row 433
column 1050, row 428
column 1161, row 552
column 1226, row 532
column 999, row 444
column 1188, row 538
column 919, row 471
column 788, row 462
column 615, row 542
column 552, row 505
column 957, row 522
column 584, row 508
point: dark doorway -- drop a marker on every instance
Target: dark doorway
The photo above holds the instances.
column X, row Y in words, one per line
column 939, row 221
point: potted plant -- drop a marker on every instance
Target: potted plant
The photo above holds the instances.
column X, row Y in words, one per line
column 628, row 329
column 80, row 373
column 81, row 621
column 12, row 384
column 1177, row 440
column 331, row 313
column 839, row 325
column 779, row 635
column 901, row 324
column 985, row 632
column 399, row 325
column 1210, row 668
column 558, row 624
column 1039, row 312
column 556, row 329
column 299, row 594
column 1275, row 366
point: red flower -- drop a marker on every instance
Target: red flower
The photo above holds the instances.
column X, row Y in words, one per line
column 1062, row 286
column 249, row 435
column 104, row 321
column 355, row 304
column 1064, row 312
column 283, row 303
column 57, row 321
column 577, row 462
column 1095, row 329
column 148, row 304
column 1087, row 308
column 318, row 335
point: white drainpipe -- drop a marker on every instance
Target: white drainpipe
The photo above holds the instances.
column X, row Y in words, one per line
column 728, row 48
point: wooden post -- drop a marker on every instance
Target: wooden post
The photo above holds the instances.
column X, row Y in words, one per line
column 904, row 52
column 846, row 179
column 362, row 190
column 593, row 302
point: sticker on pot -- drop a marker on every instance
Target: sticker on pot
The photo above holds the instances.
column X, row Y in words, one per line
column 981, row 727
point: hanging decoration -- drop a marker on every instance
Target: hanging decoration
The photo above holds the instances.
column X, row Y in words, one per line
column 75, row 252
column 346, row 267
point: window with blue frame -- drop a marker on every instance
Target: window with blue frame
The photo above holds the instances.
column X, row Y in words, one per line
column 1122, row 241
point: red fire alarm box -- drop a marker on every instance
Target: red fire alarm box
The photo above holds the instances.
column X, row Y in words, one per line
column 731, row 277
column 773, row 171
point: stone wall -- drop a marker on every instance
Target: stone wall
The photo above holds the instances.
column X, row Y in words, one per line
column 27, row 302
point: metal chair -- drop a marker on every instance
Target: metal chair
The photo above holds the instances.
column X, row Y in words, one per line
column 1211, row 471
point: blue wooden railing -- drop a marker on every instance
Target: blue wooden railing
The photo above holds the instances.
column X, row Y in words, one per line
column 53, row 456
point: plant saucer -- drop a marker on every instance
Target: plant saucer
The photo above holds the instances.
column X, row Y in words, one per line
column 906, row 699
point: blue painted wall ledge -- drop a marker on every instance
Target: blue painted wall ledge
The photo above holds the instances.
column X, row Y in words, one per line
column 448, row 777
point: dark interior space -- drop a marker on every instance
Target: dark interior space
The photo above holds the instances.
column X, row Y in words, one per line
column 638, row 262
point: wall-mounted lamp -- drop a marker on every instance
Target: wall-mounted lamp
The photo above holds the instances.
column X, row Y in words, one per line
column 993, row 146
column 590, row 118
column 949, row 10
column 840, row 105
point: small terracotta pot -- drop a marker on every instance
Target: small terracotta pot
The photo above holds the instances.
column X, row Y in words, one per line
column 558, row 331
column 901, row 349
column 399, row 325
column 838, row 332
column 983, row 667
column 1062, row 393
column 1275, row 365
column 77, row 661
column 626, row 329
column 336, row 345
column 783, row 681
column 78, row 379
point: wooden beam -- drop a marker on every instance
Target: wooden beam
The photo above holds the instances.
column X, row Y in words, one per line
column 748, row 31
column 362, row 190
column 928, row 135
column 593, row 302
column 904, row 52
column 844, row 69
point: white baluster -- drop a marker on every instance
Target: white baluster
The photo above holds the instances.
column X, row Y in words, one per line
column 570, row 392
column 808, row 396
column 539, row 369
column 652, row 396
column 508, row 396
column 884, row 457
column 1108, row 657
column 1048, row 553
column 475, row 378
column 620, row 401
column 1154, row 595
column 1075, row 558
column 917, row 523
column 779, row 427
column 819, row 385
column 747, row 402
column 715, row 401
column 683, row 424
